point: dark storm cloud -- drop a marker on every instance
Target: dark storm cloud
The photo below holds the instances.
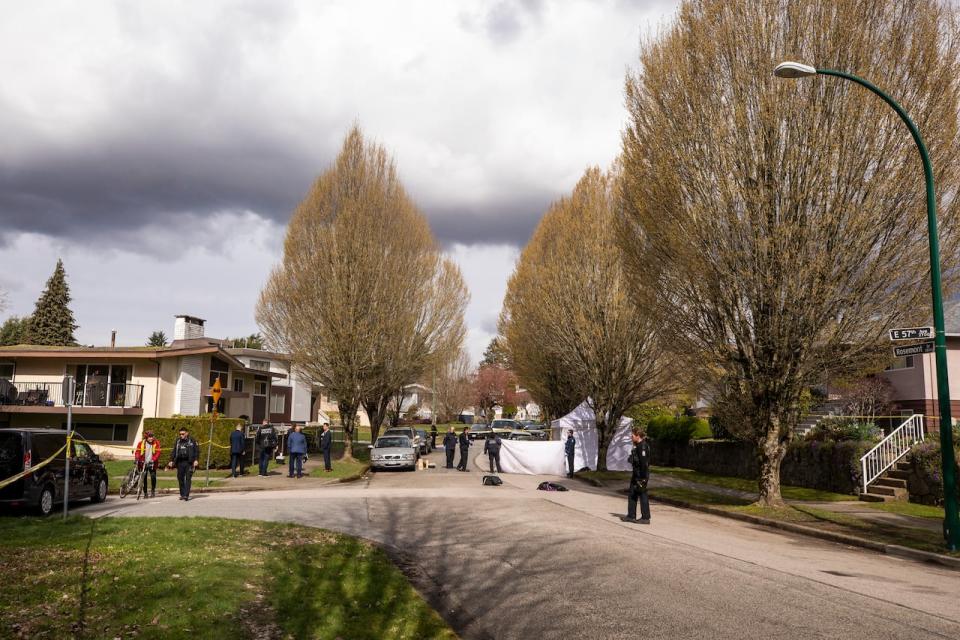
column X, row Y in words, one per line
column 505, row 221
column 124, row 184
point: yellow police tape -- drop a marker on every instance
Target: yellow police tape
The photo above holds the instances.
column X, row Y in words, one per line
column 26, row 472
column 200, row 444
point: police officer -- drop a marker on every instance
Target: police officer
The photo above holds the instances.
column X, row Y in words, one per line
column 267, row 440
column 450, row 446
column 237, row 445
column 185, row 456
column 326, row 444
column 640, row 462
column 464, row 449
column 491, row 447
column 569, row 447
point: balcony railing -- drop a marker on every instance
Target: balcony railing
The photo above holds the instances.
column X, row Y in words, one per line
column 94, row 394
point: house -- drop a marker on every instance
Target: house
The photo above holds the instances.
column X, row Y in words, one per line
column 117, row 388
column 291, row 399
column 914, row 378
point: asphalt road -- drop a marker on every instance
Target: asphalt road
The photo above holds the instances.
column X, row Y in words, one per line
column 512, row 562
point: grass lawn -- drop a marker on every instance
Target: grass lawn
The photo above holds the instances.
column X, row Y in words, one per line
column 342, row 469
column 201, row 578
column 166, row 478
column 740, row 484
column 909, row 509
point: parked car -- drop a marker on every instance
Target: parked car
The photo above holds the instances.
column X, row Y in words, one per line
column 406, row 432
column 22, row 449
column 425, row 448
column 393, row 451
column 479, row 432
column 520, row 434
column 504, row 427
column 536, row 429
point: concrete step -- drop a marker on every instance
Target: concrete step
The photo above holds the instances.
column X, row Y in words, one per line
column 900, row 474
column 872, row 497
column 903, row 466
column 887, row 481
column 897, row 493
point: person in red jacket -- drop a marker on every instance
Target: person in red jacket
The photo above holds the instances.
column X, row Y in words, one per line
column 148, row 451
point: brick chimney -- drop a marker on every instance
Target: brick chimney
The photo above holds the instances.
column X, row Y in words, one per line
column 187, row 327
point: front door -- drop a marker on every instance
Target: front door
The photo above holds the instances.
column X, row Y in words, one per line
column 259, row 400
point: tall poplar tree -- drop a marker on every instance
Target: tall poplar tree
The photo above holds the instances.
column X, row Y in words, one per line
column 52, row 320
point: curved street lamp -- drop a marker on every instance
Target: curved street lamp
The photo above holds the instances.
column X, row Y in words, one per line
column 951, row 522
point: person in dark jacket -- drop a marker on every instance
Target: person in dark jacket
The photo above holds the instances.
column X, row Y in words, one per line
column 491, row 447
column 185, row 456
column 450, row 446
column 297, row 447
column 326, row 443
column 640, row 463
column 237, row 444
column 464, row 448
column 267, row 441
column 570, row 447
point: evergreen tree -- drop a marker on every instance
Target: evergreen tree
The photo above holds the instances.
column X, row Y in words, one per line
column 157, row 339
column 52, row 321
column 14, row 331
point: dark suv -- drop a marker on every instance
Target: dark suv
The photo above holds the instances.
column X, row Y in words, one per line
column 22, row 449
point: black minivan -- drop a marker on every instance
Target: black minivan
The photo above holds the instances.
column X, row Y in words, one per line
column 23, row 448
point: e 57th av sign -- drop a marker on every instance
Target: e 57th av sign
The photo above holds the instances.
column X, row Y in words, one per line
column 915, row 333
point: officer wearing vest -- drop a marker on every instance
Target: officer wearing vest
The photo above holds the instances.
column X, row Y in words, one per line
column 491, row 447
column 464, row 448
column 569, row 447
column 267, row 441
column 185, row 455
column 237, row 444
column 450, row 446
column 640, row 463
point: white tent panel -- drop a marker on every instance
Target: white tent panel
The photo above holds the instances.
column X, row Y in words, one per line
column 532, row 457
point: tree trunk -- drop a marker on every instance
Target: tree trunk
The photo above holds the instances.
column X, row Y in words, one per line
column 602, row 443
column 376, row 409
column 771, row 451
column 348, row 419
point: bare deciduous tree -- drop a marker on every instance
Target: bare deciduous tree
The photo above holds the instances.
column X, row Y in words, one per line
column 354, row 242
column 572, row 328
column 777, row 228
column 452, row 389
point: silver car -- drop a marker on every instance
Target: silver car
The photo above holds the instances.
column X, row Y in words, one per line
column 393, row 452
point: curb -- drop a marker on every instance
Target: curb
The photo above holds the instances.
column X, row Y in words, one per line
column 830, row 536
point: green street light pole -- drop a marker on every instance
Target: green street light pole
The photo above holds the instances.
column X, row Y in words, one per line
column 951, row 521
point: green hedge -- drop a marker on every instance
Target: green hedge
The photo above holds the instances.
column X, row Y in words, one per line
column 166, row 429
column 667, row 428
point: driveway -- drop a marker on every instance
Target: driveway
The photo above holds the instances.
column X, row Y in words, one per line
column 513, row 562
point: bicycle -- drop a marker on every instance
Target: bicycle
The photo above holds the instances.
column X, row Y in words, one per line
column 135, row 480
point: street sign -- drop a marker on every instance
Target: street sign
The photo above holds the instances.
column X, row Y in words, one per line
column 216, row 391
column 914, row 349
column 915, row 333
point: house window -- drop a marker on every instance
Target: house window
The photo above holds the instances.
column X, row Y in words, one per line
column 6, row 370
column 238, row 385
column 102, row 432
column 277, row 402
column 260, row 365
column 219, row 369
column 905, row 362
column 103, row 385
column 259, row 388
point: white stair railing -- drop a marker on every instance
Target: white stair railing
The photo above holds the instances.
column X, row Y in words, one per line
column 889, row 450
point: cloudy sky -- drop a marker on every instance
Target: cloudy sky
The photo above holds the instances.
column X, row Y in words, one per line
column 159, row 147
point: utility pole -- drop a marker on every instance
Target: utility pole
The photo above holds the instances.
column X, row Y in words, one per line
column 67, row 389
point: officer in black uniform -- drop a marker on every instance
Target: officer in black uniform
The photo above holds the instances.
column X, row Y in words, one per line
column 185, row 455
column 464, row 448
column 450, row 446
column 491, row 447
column 640, row 462
column 569, row 447
column 326, row 444
column 267, row 440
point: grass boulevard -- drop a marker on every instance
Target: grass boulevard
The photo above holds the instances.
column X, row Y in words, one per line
column 201, row 578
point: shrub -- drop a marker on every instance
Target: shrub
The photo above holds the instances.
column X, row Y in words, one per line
column 643, row 413
column 166, row 430
column 666, row 428
column 926, row 470
column 841, row 429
